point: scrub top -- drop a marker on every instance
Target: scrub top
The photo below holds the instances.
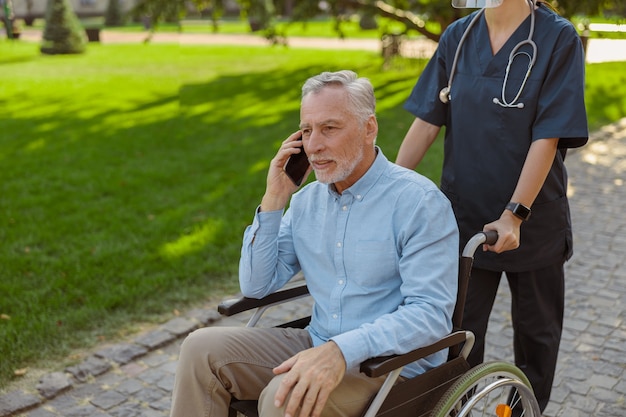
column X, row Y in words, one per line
column 486, row 144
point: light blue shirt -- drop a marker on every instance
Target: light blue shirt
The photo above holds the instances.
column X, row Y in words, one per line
column 380, row 261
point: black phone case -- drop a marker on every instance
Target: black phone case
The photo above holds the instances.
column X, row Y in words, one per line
column 297, row 166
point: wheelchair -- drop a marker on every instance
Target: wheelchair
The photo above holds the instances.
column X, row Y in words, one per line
column 496, row 389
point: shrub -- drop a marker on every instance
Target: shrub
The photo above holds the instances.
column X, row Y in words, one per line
column 63, row 33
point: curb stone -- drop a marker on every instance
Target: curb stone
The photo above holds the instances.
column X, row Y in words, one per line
column 102, row 361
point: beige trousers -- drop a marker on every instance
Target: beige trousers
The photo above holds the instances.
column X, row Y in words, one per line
column 219, row 363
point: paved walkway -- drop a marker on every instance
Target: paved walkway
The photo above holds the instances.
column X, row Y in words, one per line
column 134, row 378
column 598, row 50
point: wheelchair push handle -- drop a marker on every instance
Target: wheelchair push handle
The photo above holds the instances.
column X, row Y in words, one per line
column 489, row 237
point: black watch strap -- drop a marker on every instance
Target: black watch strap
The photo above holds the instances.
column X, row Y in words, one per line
column 519, row 210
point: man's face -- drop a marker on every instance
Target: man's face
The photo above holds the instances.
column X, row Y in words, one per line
column 339, row 145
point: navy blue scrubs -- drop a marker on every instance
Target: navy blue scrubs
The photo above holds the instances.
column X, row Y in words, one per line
column 486, row 145
column 484, row 151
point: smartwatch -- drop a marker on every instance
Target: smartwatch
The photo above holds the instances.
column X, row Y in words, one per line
column 519, row 210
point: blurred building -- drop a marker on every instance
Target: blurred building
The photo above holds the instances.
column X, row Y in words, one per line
column 32, row 9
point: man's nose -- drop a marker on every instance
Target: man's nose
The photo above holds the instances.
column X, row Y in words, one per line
column 315, row 143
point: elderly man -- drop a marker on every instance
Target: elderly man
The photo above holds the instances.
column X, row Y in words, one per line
column 378, row 245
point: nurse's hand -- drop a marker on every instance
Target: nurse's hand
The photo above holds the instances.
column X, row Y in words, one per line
column 508, row 228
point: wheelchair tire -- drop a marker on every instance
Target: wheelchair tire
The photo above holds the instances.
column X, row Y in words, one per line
column 491, row 389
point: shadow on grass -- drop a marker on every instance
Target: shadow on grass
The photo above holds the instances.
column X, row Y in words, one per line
column 8, row 60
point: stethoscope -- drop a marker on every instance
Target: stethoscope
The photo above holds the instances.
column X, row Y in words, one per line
column 444, row 94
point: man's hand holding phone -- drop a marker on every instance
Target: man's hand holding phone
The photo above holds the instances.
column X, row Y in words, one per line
column 297, row 167
column 284, row 177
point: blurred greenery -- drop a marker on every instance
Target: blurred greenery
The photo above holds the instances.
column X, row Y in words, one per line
column 130, row 172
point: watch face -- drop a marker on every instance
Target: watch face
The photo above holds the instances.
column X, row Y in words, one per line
column 519, row 210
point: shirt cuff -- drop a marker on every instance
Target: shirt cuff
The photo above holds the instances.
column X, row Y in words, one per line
column 266, row 222
column 353, row 349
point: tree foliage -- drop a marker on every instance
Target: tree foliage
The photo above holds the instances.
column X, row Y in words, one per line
column 63, row 33
column 413, row 14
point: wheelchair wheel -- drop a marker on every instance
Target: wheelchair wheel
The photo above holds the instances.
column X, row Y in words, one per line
column 495, row 389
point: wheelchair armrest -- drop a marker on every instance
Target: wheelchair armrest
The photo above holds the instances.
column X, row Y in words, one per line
column 239, row 305
column 382, row 365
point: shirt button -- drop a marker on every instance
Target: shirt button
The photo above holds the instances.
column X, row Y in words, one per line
column 335, row 316
column 344, row 208
column 338, row 244
column 340, row 282
column 359, row 196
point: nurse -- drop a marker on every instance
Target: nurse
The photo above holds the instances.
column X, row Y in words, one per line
column 507, row 82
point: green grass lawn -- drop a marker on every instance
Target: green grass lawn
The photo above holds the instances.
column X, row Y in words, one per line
column 129, row 173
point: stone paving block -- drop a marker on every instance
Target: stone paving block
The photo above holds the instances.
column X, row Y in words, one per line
column 86, row 410
column 127, row 410
column 53, row 384
column 113, row 378
column 16, row 401
column 204, row 316
column 156, row 359
column 92, row 366
column 568, row 411
column 551, row 410
column 67, row 401
column 603, row 381
column 575, row 324
column 152, row 376
column 163, row 405
column 166, row 383
column 602, row 395
column 108, row 399
column 169, row 367
column 580, row 388
column 129, row 387
column 155, row 339
column 122, row 353
column 584, row 403
column 611, row 410
column 180, row 326
column 577, row 373
column 133, row 369
column 151, row 395
column 41, row 412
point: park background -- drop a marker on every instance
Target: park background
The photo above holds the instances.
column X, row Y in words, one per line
column 129, row 172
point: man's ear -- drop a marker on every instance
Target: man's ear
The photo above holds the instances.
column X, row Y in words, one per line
column 371, row 128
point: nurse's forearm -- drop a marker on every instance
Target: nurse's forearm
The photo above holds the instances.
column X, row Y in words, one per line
column 418, row 139
column 535, row 170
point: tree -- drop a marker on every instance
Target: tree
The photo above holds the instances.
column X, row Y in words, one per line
column 63, row 33
column 114, row 15
column 8, row 18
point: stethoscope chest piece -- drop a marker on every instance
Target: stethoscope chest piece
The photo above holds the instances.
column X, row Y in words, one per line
column 444, row 95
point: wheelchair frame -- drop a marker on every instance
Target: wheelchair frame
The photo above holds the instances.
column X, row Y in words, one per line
column 451, row 389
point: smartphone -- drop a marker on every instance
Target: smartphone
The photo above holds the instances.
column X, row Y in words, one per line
column 296, row 166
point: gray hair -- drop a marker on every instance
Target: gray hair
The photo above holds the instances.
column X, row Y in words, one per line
column 360, row 90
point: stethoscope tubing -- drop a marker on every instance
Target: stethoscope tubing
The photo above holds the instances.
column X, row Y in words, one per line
column 445, row 95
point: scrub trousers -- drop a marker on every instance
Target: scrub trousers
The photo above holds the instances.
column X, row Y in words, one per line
column 537, row 304
column 218, row 363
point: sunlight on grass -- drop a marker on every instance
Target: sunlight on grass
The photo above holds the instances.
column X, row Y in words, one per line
column 195, row 241
column 259, row 167
column 36, row 145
